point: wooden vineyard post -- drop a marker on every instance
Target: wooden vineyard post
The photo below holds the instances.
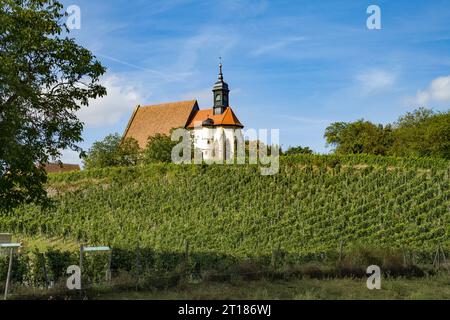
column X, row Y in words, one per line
column 443, row 254
column 186, row 258
column 138, row 266
column 11, row 247
column 437, row 257
column 436, row 261
column 8, row 277
column 275, row 256
column 108, row 272
column 81, row 266
column 272, row 262
column 340, row 251
column 44, row 269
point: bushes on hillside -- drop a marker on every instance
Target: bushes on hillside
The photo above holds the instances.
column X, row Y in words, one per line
column 359, row 137
column 298, row 150
column 159, row 149
column 421, row 133
column 112, row 151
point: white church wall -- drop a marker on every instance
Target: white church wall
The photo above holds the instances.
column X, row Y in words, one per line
column 214, row 142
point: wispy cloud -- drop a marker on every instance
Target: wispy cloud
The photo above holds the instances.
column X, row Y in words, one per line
column 212, row 40
column 245, row 8
column 108, row 111
column 306, row 120
column 162, row 75
column 276, row 46
column 376, row 80
column 156, row 7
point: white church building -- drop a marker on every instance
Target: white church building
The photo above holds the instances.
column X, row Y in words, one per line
column 214, row 131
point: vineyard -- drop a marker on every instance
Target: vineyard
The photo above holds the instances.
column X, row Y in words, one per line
column 314, row 205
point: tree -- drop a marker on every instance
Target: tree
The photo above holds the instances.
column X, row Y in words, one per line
column 45, row 77
column 359, row 137
column 128, row 152
column 333, row 133
column 437, row 136
column 298, row 150
column 415, row 118
column 112, row 151
column 159, row 149
column 423, row 133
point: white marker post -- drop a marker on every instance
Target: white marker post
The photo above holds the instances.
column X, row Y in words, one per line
column 84, row 249
column 11, row 247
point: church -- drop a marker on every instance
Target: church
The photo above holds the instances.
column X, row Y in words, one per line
column 212, row 130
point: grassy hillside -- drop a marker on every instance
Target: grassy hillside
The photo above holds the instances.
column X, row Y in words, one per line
column 313, row 204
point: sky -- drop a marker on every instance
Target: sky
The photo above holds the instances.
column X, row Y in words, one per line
column 296, row 66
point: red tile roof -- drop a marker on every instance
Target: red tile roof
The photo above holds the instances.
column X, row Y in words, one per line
column 228, row 118
column 162, row 118
column 57, row 168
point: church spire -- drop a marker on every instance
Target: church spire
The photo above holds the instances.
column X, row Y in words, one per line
column 220, row 69
column 221, row 93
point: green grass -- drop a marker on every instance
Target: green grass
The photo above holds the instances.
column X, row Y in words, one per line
column 437, row 287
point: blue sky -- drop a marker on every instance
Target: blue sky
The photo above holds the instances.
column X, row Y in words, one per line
column 296, row 66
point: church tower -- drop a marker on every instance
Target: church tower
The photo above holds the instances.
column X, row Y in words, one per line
column 221, row 94
column 215, row 130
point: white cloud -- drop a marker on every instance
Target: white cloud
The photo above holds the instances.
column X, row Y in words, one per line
column 281, row 44
column 376, row 80
column 107, row 111
column 437, row 91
